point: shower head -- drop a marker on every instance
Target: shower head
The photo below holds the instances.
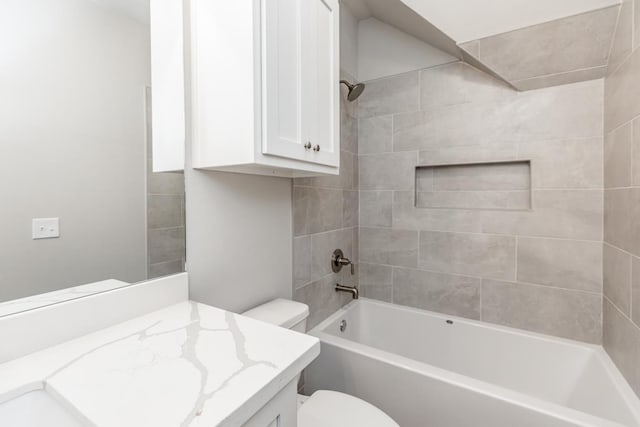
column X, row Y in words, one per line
column 355, row 90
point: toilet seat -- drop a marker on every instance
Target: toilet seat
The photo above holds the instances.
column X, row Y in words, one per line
column 333, row 409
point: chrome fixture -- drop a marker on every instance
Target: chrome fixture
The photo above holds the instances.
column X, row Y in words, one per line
column 343, row 325
column 338, row 260
column 351, row 289
column 316, row 148
column 307, row 146
column 355, row 90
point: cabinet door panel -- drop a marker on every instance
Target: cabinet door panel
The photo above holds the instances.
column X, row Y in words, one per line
column 282, row 92
column 320, row 70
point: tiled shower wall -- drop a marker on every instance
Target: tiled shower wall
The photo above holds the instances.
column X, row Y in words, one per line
column 325, row 218
column 165, row 216
column 621, row 332
column 538, row 269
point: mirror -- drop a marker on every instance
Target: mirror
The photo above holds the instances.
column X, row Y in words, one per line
column 75, row 154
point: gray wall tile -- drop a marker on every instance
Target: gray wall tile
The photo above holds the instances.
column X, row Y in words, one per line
column 459, row 83
column 321, row 298
column 617, row 277
column 165, row 211
column 635, row 290
column 489, row 152
column 566, row 112
column 564, row 163
column 375, row 135
column 376, row 281
column 322, row 247
column 387, row 171
column 636, row 22
column 376, row 208
column 635, row 152
column 617, row 155
column 348, row 133
column 389, row 247
column 489, row 200
column 456, row 125
column 390, row 95
column 444, row 293
column 622, row 219
column 316, row 210
column 165, row 183
column 564, row 313
column 472, row 254
column 560, row 78
column 166, row 244
column 569, row 214
column 344, row 180
column 349, row 208
column 572, row 43
column 622, row 93
column 488, row 176
column 622, row 39
column 621, row 339
column 407, row 216
column 561, row 263
column 301, row 261
column 166, row 268
column 621, row 335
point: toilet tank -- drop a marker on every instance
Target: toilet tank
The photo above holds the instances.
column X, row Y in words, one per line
column 282, row 312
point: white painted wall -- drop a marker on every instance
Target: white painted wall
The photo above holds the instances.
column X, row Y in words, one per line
column 239, row 238
column 466, row 20
column 348, row 42
column 384, row 51
column 72, row 144
column 238, row 232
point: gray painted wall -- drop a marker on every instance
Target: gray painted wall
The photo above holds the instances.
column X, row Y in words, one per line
column 72, row 145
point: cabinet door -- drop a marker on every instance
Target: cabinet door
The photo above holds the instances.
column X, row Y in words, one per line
column 282, row 79
column 300, row 67
column 320, row 83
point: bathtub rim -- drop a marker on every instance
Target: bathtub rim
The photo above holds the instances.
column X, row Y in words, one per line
column 479, row 386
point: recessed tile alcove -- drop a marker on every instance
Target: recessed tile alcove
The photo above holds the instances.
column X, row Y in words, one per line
column 493, row 186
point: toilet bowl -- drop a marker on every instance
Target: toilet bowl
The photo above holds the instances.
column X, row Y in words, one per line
column 323, row 408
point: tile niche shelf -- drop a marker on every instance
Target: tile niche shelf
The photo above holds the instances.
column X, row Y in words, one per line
column 485, row 186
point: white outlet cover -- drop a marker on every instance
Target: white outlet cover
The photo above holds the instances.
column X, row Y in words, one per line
column 45, row 228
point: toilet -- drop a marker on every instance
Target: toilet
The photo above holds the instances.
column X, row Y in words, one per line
column 323, row 408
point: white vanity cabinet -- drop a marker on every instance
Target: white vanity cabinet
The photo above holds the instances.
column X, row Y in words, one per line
column 281, row 411
column 264, row 84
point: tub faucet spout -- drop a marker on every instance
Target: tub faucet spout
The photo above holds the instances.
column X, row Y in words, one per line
column 351, row 289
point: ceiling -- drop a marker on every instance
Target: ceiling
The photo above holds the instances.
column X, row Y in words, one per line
column 136, row 9
column 397, row 14
column 465, row 20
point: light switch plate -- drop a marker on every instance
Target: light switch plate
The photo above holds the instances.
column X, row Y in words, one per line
column 45, row 228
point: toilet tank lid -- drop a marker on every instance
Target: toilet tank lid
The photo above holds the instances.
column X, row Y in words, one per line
column 281, row 312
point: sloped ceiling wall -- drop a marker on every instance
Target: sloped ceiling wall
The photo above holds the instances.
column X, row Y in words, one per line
column 567, row 50
column 528, row 44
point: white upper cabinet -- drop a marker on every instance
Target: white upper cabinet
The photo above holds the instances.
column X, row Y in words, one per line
column 167, row 85
column 265, row 86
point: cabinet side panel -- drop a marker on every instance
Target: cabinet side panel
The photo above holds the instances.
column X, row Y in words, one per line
column 223, row 84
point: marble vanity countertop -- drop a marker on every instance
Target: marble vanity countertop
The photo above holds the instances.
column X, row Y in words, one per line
column 186, row 365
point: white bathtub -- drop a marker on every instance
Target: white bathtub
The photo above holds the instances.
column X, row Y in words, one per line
column 430, row 370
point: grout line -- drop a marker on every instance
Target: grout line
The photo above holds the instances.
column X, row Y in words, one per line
column 515, row 258
column 633, row 324
column 513, row 282
column 486, row 234
column 616, row 29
